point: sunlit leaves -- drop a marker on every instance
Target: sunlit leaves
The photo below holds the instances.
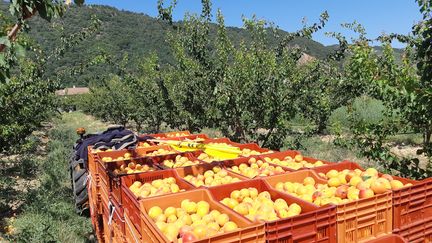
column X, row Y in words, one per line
column 404, row 90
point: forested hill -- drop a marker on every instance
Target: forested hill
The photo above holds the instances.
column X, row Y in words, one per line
column 122, row 32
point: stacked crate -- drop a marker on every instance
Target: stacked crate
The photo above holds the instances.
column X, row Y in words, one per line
column 118, row 215
column 110, row 204
column 93, row 195
column 412, row 211
column 411, row 206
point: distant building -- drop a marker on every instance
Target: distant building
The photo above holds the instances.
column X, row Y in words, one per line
column 72, row 91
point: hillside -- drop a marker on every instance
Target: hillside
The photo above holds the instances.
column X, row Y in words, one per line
column 122, row 32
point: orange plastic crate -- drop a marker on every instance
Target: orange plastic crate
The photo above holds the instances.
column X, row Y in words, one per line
column 111, row 180
column 175, row 133
column 388, row 239
column 114, row 154
column 219, row 140
column 202, row 137
column 282, row 154
column 106, row 228
column 356, row 221
column 131, row 202
column 105, row 169
column 420, row 231
column 135, row 153
column 118, row 237
column 314, row 224
column 196, row 136
column 99, row 230
column 255, row 147
column 168, row 134
column 155, row 135
column 292, row 153
column 247, row 232
column 228, row 164
column 91, row 160
column 131, row 233
column 93, row 213
column 103, row 198
column 158, row 160
column 117, row 223
column 96, row 221
column 95, row 198
column 92, row 190
column 410, row 204
column 113, row 222
column 94, row 207
column 200, row 169
column 141, row 144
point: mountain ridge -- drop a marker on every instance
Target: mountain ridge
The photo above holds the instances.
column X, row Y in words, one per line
column 123, row 32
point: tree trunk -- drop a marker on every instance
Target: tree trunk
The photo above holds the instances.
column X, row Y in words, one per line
column 138, row 127
column 238, row 134
column 322, row 124
column 427, row 137
column 267, row 137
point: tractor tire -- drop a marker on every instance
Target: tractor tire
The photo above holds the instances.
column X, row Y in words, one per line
column 79, row 182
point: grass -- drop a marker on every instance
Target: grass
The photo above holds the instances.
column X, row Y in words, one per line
column 48, row 213
column 406, row 139
column 318, row 147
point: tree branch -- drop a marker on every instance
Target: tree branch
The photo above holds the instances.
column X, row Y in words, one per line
column 12, row 35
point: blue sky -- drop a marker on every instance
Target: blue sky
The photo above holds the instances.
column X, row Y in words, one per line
column 389, row 16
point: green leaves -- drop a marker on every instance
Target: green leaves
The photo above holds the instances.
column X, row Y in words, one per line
column 4, row 40
column 402, row 92
column 26, row 95
column 166, row 13
column 19, row 50
column 79, row 2
column 139, row 99
column 2, row 59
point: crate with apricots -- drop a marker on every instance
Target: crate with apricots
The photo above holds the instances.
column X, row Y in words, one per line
column 127, row 154
column 208, row 175
column 168, row 134
column 286, row 218
column 178, row 161
column 114, row 171
column 206, row 158
column 411, row 199
column 293, row 160
column 361, row 213
column 189, row 138
column 252, row 167
column 139, row 186
column 194, row 216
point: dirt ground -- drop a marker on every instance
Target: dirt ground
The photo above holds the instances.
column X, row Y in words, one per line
column 409, row 151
